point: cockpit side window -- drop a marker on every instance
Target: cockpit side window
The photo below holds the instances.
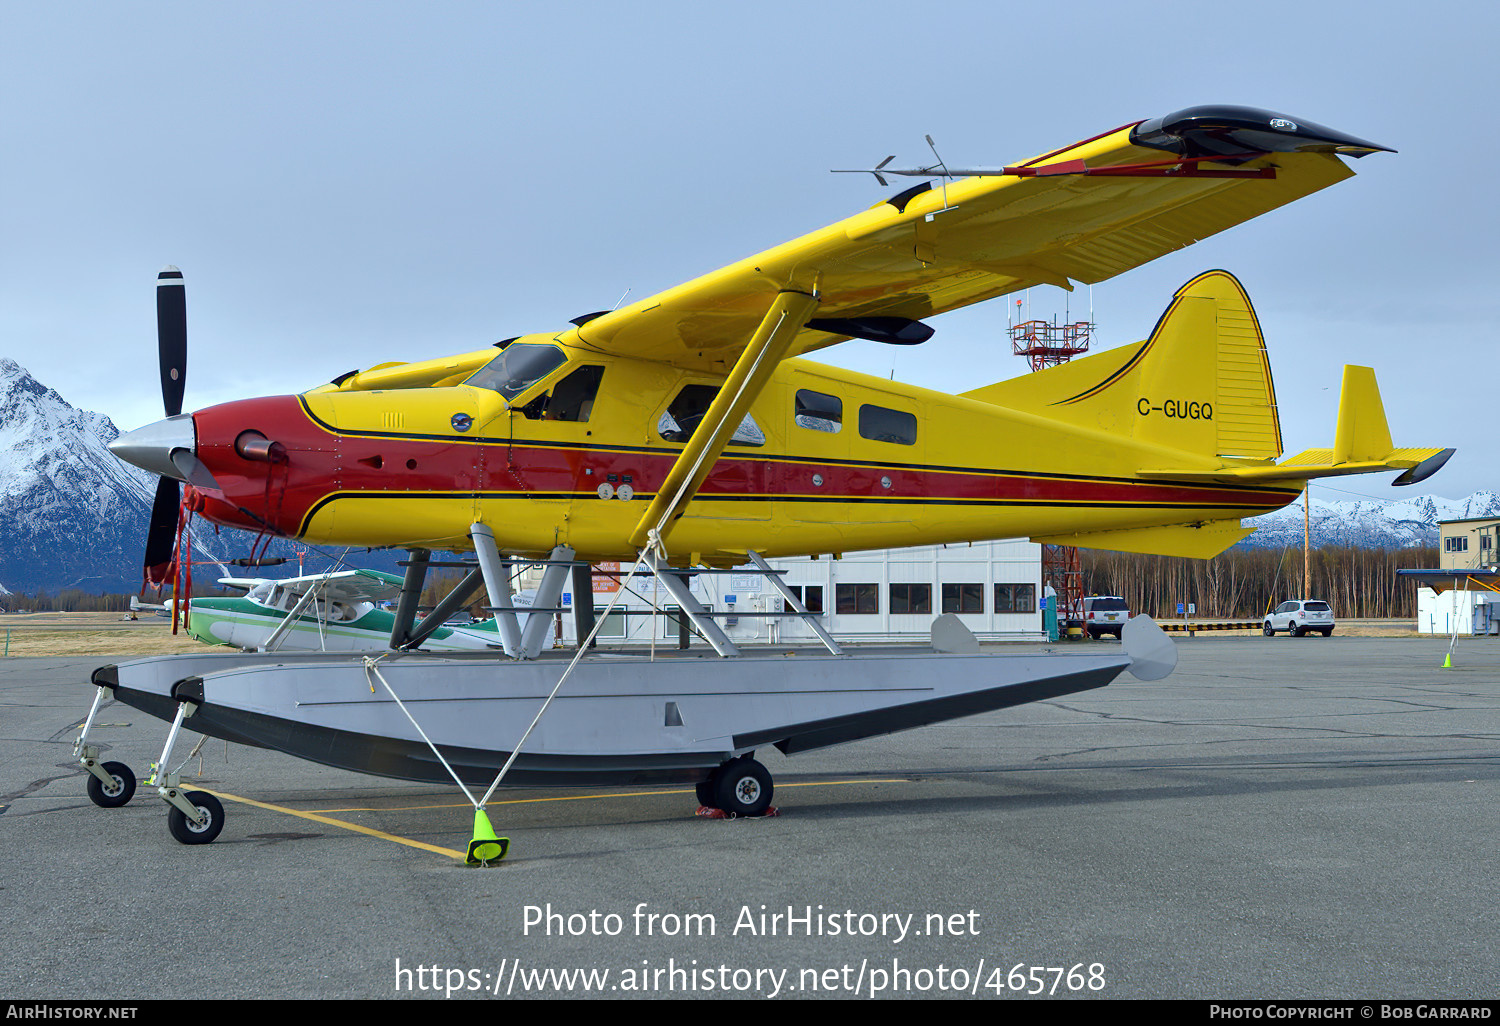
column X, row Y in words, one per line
column 572, row 399
column 686, row 411
column 519, row 366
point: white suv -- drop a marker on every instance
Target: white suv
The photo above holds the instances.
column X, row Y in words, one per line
column 1299, row 616
column 1105, row 614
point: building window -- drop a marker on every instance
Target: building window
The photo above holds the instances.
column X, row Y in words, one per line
column 1015, row 598
column 882, row 425
column 810, row 595
column 1486, row 541
column 911, row 598
column 1455, row 545
column 615, row 625
column 963, row 598
column 819, row 412
column 856, row 598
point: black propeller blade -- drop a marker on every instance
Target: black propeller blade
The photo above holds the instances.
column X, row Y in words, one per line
column 161, row 536
column 171, row 348
column 171, row 338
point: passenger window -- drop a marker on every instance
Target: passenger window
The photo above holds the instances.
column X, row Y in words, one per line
column 686, row 411
column 819, row 412
column 882, row 425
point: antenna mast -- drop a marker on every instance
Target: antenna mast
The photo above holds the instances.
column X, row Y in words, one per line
column 1048, row 344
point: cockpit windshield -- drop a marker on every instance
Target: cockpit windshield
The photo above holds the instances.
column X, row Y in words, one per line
column 519, row 366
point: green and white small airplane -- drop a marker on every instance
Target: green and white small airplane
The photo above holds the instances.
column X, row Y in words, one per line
column 337, row 612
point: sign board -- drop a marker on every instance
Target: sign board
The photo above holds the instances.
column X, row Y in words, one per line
column 607, row 585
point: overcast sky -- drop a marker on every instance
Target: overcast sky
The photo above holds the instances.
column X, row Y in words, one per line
column 350, row 183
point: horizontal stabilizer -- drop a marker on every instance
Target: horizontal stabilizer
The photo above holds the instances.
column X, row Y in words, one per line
column 1362, row 446
column 1200, row 541
column 1417, row 464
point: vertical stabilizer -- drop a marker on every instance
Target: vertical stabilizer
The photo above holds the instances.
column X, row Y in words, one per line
column 1201, row 383
column 1363, row 433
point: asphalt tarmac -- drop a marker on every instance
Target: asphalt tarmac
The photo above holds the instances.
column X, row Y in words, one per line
column 1281, row 818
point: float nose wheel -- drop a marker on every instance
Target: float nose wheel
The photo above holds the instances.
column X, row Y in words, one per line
column 116, row 790
column 110, row 784
column 740, row 787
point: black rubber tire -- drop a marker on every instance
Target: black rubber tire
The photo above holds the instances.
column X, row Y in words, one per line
column 1328, row 633
column 706, row 793
column 1293, row 629
column 743, row 788
column 123, row 791
column 1268, row 630
column 191, row 833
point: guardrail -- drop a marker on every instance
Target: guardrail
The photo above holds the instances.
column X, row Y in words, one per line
column 1191, row 627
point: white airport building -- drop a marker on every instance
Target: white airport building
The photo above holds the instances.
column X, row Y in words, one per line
column 1467, row 544
column 889, row 596
column 1457, row 611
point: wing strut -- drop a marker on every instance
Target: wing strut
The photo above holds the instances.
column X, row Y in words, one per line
column 290, row 620
column 768, row 346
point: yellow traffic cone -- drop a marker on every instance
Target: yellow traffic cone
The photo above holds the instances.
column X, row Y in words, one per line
column 486, row 847
column 1448, row 660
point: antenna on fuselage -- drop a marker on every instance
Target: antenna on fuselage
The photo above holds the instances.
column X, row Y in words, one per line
column 946, row 176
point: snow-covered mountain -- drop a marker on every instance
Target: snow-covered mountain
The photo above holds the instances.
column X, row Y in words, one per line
column 71, row 514
column 1369, row 523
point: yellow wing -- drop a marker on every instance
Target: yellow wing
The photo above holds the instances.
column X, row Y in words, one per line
column 1086, row 213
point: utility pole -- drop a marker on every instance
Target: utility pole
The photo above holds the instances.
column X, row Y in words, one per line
column 1306, row 543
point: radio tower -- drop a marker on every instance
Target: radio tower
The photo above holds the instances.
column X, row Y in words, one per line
column 1047, row 344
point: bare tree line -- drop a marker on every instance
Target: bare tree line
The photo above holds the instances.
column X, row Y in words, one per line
column 1244, row 583
column 1239, row 584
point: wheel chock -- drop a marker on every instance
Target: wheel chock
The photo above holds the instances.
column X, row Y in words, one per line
column 486, row 847
column 709, row 812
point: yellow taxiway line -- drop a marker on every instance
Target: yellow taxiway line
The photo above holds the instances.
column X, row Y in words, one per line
column 595, row 797
column 384, row 836
column 328, row 821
